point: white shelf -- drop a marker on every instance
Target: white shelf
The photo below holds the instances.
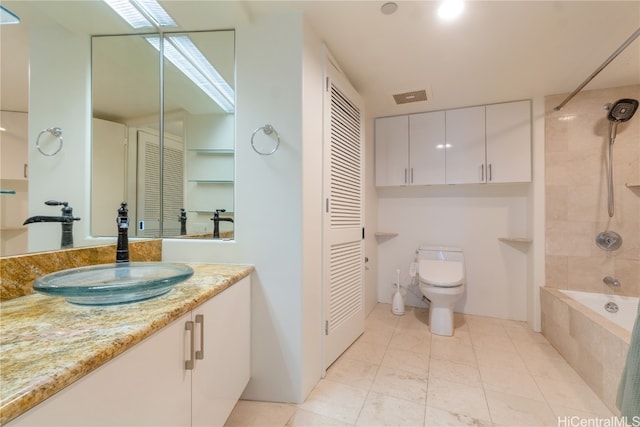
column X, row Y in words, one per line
column 633, row 185
column 515, row 239
column 210, row 181
column 385, row 234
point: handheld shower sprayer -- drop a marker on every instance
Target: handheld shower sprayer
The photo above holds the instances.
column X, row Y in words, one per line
column 619, row 112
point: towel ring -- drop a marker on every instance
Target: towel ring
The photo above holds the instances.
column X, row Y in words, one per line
column 268, row 130
column 57, row 132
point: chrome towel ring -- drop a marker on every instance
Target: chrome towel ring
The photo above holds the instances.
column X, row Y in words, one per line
column 268, row 130
column 57, row 132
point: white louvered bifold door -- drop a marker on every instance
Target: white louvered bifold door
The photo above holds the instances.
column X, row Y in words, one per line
column 343, row 265
column 148, row 201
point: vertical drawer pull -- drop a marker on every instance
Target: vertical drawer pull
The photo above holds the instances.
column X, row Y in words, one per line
column 188, row 364
column 200, row 321
column 490, row 174
column 481, row 173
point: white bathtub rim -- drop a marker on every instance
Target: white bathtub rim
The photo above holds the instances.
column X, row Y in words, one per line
column 625, row 318
column 602, row 321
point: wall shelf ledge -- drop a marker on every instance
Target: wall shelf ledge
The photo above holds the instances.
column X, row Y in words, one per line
column 515, row 239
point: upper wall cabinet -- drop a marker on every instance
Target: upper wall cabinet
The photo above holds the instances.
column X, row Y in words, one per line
column 484, row 144
column 508, row 129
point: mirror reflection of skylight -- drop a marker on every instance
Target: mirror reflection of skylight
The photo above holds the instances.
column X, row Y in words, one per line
column 142, row 13
column 8, row 17
column 182, row 53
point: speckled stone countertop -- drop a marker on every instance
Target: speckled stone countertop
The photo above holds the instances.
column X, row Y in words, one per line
column 47, row 344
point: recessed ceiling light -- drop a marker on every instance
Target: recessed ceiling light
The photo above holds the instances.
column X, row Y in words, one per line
column 450, row 9
column 389, row 8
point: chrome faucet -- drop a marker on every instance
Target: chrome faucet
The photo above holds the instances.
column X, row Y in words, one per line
column 611, row 282
column 66, row 219
column 216, row 222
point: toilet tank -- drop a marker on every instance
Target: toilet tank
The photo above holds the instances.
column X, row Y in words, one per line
column 442, row 253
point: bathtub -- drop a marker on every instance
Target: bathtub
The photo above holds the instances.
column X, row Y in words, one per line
column 627, row 306
column 593, row 341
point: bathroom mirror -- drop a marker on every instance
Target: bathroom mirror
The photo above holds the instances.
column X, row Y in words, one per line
column 174, row 192
column 53, row 43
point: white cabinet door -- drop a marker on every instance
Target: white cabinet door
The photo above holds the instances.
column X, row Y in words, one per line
column 392, row 150
column 144, row 386
column 509, row 142
column 427, row 148
column 465, row 149
column 219, row 378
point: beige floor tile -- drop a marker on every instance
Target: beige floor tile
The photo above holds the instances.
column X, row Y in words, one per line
column 456, row 372
column 303, row 418
column 401, row 384
column 435, row 417
column 453, row 351
column 551, row 368
column 416, row 363
column 414, row 318
column 249, row 413
column 413, row 340
column 375, row 334
column 383, row 410
column 510, row 410
column 498, row 358
column 564, row 412
column 352, row 372
column 336, row 401
column 458, row 398
column 502, row 342
column 511, row 381
column 366, row 351
column 485, row 325
column 571, row 395
column 536, row 350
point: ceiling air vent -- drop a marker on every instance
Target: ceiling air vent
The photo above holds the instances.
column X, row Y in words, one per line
column 407, row 97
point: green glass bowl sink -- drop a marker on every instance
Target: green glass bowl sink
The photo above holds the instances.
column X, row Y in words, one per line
column 109, row 284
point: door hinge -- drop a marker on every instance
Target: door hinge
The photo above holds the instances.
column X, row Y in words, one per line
column 326, row 327
column 327, row 84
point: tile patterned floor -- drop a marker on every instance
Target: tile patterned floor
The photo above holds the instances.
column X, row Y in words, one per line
column 491, row 373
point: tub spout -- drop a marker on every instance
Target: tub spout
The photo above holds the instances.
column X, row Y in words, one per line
column 611, row 282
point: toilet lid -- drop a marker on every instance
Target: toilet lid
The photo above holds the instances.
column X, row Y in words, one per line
column 441, row 273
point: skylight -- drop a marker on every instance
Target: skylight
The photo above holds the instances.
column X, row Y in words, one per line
column 182, row 53
column 142, row 13
column 8, row 17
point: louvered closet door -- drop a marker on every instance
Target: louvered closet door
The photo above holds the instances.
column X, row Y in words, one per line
column 148, row 200
column 343, row 256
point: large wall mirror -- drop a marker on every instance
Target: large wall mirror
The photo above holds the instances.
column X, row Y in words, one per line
column 163, row 133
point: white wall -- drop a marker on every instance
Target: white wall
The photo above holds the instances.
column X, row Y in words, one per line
column 59, row 96
column 277, row 206
column 471, row 217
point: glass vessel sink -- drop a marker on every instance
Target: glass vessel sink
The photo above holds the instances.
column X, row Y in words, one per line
column 108, row 284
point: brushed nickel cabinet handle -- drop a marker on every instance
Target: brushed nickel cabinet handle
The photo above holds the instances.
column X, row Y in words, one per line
column 188, row 364
column 200, row 321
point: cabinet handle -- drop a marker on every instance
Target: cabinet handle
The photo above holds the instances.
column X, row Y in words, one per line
column 411, row 175
column 481, row 173
column 405, row 175
column 200, row 321
column 188, row 364
column 25, row 170
column 490, row 174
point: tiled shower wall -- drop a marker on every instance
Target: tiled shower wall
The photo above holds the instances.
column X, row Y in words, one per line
column 576, row 193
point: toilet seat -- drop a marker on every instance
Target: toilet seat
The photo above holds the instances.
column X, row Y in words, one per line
column 441, row 273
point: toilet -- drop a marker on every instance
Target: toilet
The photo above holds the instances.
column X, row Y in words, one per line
column 442, row 280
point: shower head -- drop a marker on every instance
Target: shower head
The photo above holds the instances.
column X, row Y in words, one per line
column 622, row 110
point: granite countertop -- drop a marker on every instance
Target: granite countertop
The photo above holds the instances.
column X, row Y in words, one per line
column 47, row 344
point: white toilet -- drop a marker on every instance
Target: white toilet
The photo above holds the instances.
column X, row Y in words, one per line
column 442, row 278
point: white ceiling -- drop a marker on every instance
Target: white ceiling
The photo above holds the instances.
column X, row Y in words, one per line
column 497, row 51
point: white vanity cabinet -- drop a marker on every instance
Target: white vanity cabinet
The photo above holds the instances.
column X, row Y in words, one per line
column 508, row 130
column 465, row 146
column 150, row 384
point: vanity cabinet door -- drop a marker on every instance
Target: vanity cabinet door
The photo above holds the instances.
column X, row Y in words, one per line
column 392, row 151
column 465, row 157
column 145, row 386
column 427, row 148
column 221, row 375
column 509, row 142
